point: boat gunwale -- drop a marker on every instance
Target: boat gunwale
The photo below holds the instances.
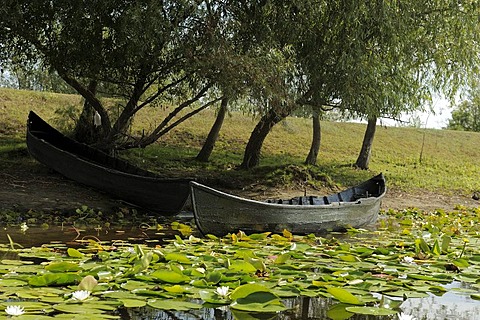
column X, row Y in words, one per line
column 94, row 163
column 360, row 201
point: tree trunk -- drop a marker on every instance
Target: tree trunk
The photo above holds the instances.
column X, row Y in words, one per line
column 317, row 135
column 364, row 156
column 85, row 130
column 212, row 137
column 251, row 156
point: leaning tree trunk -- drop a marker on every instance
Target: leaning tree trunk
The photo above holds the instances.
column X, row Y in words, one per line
column 317, row 135
column 251, row 157
column 212, row 137
column 85, row 129
column 364, row 156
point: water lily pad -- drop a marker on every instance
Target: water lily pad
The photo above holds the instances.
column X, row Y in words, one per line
column 343, row 295
column 406, row 294
column 213, row 298
column 74, row 253
column 88, row 283
column 371, row 311
column 177, row 289
column 245, row 315
column 33, row 317
column 169, row 276
column 27, row 305
column 178, row 257
column 135, row 285
column 95, row 316
column 242, row 266
column 475, row 296
column 247, row 289
column 177, row 305
column 12, row 283
column 133, row 303
column 85, row 308
column 62, row 266
column 272, row 306
column 54, row 279
column 339, row 312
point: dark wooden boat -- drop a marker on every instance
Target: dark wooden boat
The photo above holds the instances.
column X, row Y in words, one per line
column 220, row 213
column 97, row 169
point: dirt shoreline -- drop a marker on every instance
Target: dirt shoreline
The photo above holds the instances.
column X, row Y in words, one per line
column 40, row 189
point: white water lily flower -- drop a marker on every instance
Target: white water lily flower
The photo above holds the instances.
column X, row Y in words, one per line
column 222, row 291
column 23, row 227
column 408, row 259
column 404, row 316
column 200, row 269
column 80, row 295
column 293, row 246
column 14, row 310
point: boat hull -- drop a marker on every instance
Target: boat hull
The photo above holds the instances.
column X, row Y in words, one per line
column 220, row 213
column 96, row 169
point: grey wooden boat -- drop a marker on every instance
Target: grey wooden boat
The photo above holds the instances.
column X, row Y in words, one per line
column 99, row 170
column 220, row 213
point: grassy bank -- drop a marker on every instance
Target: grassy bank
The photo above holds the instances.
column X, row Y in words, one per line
column 449, row 164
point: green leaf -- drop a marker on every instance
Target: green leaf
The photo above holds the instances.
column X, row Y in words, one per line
column 422, row 245
column 242, row 266
column 247, row 289
column 462, row 263
column 255, row 298
column 475, row 296
column 371, row 311
column 12, row 283
column 446, row 240
column 213, row 298
column 175, row 289
column 57, row 279
column 169, row 276
column 348, row 258
column 259, row 307
column 62, row 266
column 436, row 250
column 177, row 305
column 343, row 295
column 133, row 303
column 339, row 312
column 406, row 294
column 178, row 257
column 77, row 308
column 260, row 297
column 213, row 277
column 88, row 283
column 281, row 259
column 74, row 253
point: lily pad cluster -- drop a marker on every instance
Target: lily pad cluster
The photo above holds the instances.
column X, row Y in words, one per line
column 410, row 254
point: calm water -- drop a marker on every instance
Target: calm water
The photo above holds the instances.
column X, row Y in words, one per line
column 458, row 306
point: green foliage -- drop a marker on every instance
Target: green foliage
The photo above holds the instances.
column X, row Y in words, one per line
column 367, row 58
column 466, row 116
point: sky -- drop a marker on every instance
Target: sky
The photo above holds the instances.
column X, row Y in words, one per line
column 436, row 120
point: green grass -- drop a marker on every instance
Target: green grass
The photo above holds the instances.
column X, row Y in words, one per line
column 450, row 159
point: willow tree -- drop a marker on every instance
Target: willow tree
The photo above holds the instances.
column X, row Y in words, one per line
column 141, row 52
column 380, row 59
column 370, row 59
column 316, row 139
column 214, row 132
